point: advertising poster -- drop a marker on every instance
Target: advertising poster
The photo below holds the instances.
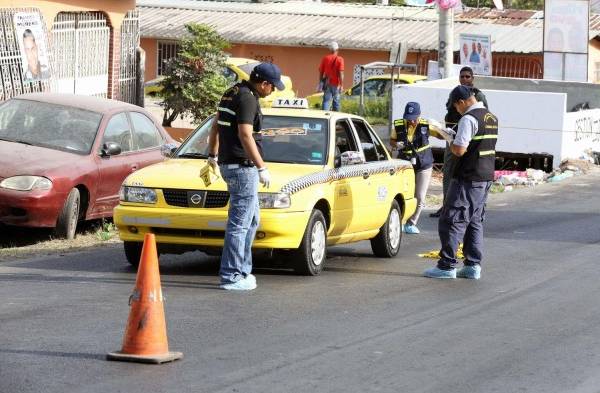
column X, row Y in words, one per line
column 476, row 52
column 31, row 39
column 566, row 26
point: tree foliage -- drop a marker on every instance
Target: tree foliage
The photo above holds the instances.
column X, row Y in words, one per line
column 193, row 82
column 508, row 4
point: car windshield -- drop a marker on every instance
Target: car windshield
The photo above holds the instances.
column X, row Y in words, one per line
column 48, row 125
column 286, row 139
column 247, row 68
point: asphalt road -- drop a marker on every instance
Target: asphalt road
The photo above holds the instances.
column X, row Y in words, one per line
column 531, row 324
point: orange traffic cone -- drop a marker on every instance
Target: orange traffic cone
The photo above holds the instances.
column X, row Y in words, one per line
column 145, row 338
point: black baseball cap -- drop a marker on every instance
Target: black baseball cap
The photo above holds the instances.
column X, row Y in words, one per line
column 460, row 92
column 269, row 72
column 412, row 111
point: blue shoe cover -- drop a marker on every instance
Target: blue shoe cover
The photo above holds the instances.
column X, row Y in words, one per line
column 411, row 229
column 473, row 272
column 436, row 272
column 242, row 285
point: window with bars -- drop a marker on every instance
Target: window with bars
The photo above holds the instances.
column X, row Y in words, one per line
column 166, row 50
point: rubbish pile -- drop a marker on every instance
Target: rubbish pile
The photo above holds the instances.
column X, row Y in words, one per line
column 507, row 180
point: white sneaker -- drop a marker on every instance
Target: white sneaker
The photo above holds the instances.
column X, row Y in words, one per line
column 244, row 284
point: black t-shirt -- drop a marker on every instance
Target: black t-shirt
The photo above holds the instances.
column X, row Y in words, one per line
column 239, row 105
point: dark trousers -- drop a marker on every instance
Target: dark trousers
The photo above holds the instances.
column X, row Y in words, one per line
column 462, row 220
column 450, row 161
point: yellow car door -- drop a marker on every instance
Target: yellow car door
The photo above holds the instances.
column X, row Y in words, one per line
column 375, row 189
column 347, row 188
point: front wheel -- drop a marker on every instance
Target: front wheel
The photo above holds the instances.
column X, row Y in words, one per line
column 310, row 258
column 133, row 252
column 387, row 242
column 66, row 225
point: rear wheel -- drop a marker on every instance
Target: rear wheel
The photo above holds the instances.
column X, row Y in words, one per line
column 133, row 252
column 310, row 256
column 66, row 224
column 387, row 242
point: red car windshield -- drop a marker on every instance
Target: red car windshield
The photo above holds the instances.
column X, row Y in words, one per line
column 48, row 125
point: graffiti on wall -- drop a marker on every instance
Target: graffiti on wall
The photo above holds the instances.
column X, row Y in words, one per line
column 587, row 129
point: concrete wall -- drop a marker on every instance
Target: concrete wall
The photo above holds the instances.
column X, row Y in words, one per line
column 577, row 92
column 529, row 122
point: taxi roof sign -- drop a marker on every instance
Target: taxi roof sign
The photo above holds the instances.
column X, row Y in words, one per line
column 295, row 103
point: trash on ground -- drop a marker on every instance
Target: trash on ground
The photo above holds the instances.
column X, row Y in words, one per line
column 435, row 254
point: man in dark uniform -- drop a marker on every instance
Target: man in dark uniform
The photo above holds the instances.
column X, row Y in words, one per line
column 464, row 207
column 466, row 78
column 238, row 125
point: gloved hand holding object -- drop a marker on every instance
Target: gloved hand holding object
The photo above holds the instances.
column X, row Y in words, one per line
column 399, row 145
column 264, row 177
column 213, row 161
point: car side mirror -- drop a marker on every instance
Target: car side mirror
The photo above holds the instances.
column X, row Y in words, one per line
column 168, row 149
column 110, row 149
column 351, row 158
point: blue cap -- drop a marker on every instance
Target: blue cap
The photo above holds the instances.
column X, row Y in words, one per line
column 412, row 111
column 269, row 72
column 460, row 92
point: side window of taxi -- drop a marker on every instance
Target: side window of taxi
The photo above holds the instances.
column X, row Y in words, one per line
column 118, row 130
column 372, row 147
column 344, row 139
column 145, row 132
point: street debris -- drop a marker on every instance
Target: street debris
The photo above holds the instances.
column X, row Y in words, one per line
column 435, row 254
column 506, row 180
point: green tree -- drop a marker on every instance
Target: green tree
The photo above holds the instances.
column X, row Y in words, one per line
column 508, row 4
column 194, row 82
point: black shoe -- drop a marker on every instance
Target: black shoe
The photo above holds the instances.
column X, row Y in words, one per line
column 436, row 213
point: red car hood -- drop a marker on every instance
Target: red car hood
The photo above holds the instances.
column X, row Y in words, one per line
column 20, row 159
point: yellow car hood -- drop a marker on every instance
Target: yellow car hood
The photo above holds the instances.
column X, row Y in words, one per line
column 184, row 174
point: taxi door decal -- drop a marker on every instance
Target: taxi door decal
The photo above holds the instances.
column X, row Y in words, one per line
column 328, row 175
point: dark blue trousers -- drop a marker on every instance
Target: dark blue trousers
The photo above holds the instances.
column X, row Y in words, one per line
column 462, row 220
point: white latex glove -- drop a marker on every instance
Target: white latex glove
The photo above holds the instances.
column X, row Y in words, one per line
column 450, row 131
column 213, row 162
column 399, row 145
column 264, row 177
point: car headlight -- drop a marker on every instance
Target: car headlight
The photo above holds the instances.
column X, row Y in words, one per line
column 273, row 200
column 137, row 194
column 26, row 183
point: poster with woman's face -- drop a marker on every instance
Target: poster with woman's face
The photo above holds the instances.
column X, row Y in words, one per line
column 31, row 39
column 566, row 26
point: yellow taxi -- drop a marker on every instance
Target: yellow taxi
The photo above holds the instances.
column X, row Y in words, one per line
column 374, row 86
column 333, row 181
column 236, row 70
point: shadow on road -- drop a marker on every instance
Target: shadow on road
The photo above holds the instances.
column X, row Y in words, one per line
column 75, row 355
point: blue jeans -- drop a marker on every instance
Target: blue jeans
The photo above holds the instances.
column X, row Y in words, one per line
column 331, row 92
column 461, row 219
column 242, row 222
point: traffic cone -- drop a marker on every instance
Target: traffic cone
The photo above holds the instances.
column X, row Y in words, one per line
column 145, row 338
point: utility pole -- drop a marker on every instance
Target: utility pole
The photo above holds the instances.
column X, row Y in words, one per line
column 446, row 41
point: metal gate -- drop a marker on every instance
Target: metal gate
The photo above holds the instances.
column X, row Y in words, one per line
column 11, row 70
column 130, row 40
column 81, row 46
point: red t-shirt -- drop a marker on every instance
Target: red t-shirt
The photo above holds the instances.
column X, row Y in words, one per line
column 331, row 66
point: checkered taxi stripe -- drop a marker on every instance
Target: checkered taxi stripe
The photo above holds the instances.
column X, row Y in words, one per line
column 359, row 170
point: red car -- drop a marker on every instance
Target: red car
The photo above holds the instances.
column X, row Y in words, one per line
column 63, row 157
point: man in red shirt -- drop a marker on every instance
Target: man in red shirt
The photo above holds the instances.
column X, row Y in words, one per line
column 331, row 77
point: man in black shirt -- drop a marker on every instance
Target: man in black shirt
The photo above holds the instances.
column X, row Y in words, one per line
column 235, row 136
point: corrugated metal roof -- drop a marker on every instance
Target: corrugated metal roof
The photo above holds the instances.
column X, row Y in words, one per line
column 353, row 26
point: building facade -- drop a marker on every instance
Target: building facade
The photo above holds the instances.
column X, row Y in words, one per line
column 83, row 47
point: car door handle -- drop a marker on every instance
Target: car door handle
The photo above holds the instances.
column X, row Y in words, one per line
column 365, row 175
